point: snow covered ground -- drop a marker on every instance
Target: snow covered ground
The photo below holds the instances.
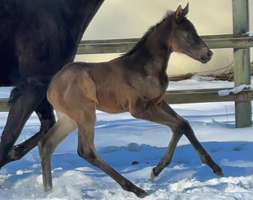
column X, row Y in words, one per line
column 122, row 140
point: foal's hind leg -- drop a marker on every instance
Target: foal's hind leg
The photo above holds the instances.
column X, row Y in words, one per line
column 62, row 128
column 47, row 119
column 164, row 114
column 86, row 150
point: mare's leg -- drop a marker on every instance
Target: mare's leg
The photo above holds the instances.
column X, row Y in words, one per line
column 46, row 116
column 164, row 114
column 61, row 129
column 29, row 99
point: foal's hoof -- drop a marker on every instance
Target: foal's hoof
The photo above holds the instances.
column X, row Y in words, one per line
column 219, row 173
column 141, row 193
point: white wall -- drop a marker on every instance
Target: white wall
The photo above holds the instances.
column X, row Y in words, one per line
column 132, row 18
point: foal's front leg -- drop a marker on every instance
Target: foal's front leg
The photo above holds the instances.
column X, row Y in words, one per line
column 164, row 114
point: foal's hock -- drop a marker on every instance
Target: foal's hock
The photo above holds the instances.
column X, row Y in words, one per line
column 135, row 82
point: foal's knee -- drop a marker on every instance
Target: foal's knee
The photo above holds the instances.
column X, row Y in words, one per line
column 181, row 126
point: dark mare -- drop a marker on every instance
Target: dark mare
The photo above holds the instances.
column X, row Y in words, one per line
column 135, row 82
column 37, row 38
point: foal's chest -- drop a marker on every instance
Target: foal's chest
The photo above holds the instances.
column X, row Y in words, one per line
column 151, row 87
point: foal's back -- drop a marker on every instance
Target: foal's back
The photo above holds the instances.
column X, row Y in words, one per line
column 78, row 83
column 112, row 86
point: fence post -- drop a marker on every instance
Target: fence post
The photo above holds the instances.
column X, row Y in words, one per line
column 242, row 72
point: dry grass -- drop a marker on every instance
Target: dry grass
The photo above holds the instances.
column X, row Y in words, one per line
column 228, row 75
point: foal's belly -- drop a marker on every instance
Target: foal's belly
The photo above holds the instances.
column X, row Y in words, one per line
column 112, row 108
column 111, row 102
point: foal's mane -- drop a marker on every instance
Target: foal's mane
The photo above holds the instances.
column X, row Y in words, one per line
column 142, row 41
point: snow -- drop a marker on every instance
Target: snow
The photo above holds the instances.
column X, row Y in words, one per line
column 248, row 33
column 133, row 147
column 235, row 90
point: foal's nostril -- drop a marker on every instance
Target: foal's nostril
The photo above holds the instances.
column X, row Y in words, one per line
column 209, row 54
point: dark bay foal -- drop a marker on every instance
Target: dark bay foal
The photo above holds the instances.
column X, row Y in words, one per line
column 135, row 82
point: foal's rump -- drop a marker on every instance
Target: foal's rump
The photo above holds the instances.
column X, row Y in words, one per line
column 71, row 87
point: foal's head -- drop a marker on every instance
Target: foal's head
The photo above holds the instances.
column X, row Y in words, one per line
column 185, row 39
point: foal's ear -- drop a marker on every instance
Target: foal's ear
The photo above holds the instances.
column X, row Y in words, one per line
column 181, row 13
column 186, row 10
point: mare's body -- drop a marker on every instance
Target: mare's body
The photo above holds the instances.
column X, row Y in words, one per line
column 37, row 38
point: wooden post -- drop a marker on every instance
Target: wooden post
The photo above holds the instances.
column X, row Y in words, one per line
column 241, row 61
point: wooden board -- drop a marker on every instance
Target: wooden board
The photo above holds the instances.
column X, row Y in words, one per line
column 185, row 96
column 124, row 45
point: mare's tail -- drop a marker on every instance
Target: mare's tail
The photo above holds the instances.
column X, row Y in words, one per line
column 40, row 82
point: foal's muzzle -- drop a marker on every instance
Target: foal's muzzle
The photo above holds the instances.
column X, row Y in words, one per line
column 206, row 56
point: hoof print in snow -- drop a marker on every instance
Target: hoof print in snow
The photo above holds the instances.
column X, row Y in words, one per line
column 2, row 188
column 135, row 163
column 238, row 148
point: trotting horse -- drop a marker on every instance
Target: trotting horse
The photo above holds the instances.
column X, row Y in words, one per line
column 37, row 38
column 135, row 82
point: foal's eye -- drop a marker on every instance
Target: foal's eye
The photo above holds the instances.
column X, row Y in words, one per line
column 189, row 35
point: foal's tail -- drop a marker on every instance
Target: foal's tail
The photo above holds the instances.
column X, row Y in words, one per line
column 40, row 83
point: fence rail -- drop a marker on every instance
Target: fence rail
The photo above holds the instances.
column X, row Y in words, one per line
column 179, row 96
column 124, row 45
column 186, row 96
column 239, row 41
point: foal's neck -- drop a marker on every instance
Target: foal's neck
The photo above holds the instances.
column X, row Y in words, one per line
column 155, row 52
